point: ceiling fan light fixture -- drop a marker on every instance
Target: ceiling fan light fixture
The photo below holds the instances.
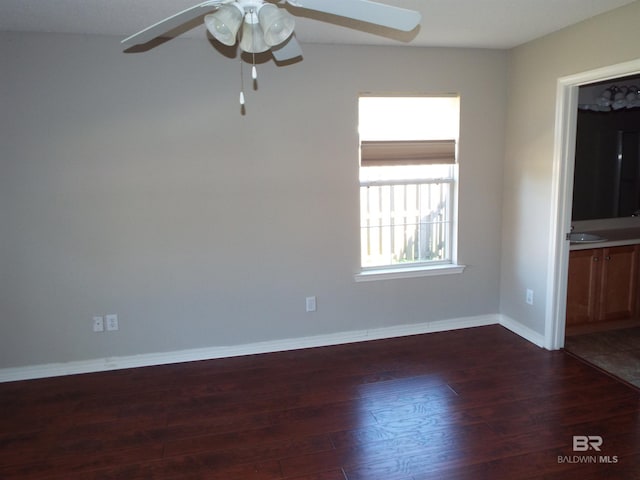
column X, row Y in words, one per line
column 224, row 23
column 277, row 24
column 252, row 39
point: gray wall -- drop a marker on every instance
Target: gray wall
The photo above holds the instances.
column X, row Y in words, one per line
column 534, row 69
column 131, row 184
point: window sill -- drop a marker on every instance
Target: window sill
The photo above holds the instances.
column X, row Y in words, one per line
column 407, row 272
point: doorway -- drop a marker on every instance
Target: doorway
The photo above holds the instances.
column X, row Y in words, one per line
column 563, row 189
column 567, row 95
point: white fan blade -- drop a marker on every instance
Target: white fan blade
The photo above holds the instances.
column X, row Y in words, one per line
column 365, row 11
column 287, row 50
column 172, row 22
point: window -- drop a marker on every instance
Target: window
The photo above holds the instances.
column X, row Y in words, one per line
column 408, row 175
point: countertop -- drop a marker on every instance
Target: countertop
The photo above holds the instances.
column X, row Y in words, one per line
column 614, row 238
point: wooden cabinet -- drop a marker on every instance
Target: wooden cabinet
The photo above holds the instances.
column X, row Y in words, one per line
column 603, row 284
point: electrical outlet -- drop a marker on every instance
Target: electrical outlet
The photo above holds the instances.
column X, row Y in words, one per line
column 529, row 298
column 98, row 324
column 112, row 322
column 311, row 304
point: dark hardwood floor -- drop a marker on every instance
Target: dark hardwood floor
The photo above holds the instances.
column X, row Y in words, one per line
column 472, row 404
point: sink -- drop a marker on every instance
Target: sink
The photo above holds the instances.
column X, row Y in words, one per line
column 585, row 238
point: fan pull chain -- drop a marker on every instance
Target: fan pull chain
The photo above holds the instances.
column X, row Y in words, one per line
column 254, row 71
column 241, row 84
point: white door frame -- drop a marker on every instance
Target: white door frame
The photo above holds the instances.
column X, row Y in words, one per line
column 562, row 192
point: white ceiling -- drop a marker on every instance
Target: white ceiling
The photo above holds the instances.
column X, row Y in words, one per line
column 452, row 23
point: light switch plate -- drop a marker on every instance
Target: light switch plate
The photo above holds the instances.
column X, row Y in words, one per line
column 98, row 324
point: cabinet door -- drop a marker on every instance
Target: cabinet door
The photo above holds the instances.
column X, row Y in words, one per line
column 583, row 286
column 619, row 283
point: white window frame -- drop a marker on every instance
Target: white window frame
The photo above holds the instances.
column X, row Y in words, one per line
column 418, row 268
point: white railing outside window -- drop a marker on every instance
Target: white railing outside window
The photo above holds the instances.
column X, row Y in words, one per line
column 405, row 222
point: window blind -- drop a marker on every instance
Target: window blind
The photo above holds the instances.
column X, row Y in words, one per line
column 407, row 152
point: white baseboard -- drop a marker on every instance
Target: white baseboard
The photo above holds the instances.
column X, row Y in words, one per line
column 522, row 330
column 162, row 358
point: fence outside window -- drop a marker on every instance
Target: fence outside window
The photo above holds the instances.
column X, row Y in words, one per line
column 405, row 222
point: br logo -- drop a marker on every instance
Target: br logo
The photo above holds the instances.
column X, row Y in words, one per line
column 583, row 443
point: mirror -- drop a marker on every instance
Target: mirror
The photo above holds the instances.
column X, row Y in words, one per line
column 607, row 161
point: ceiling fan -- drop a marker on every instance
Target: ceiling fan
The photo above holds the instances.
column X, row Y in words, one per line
column 262, row 25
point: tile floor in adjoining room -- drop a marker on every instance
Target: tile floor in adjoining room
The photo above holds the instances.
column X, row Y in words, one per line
column 615, row 351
